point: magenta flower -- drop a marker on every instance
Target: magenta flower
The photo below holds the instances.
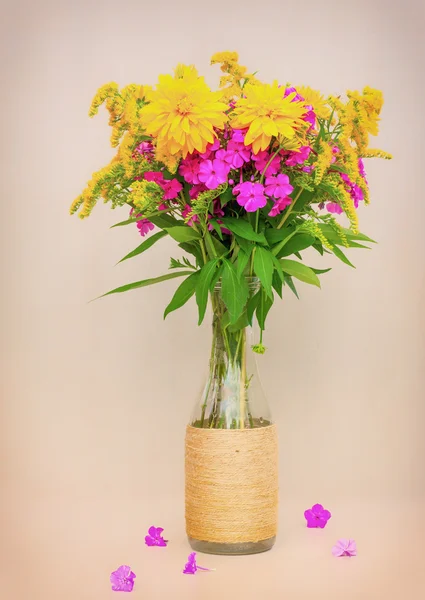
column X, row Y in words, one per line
column 317, row 516
column 235, row 155
column 279, row 206
column 238, row 135
column 189, row 169
column 172, row 188
column 262, row 158
column 251, row 196
column 362, row 169
column 278, row 187
column 122, row 579
column 355, row 191
column 334, row 207
column 345, row 547
column 155, row 176
column 213, row 173
column 191, row 567
column 298, row 157
column 144, row 226
column 154, row 537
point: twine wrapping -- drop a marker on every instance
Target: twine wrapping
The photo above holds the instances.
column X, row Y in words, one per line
column 231, row 484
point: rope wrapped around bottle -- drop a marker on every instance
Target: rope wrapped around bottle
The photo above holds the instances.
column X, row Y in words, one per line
column 231, row 484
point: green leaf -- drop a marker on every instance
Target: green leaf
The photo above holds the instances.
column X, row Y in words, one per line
column 278, row 248
column 145, row 282
column 340, row 254
column 203, row 287
column 263, row 308
column 217, row 227
column 299, row 271
column 183, row 233
column 301, row 241
column 216, row 277
column 241, row 323
column 163, row 221
column 278, row 268
column 251, row 306
column 183, row 293
column 277, row 283
column 263, row 267
column 242, row 261
column 243, row 229
column 305, row 197
column 126, row 222
column 277, row 235
column 289, row 282
column 194, row 249
column 226, row 196
column 244, row 244
column 319, row 248
column 148, row 243
column 214, row 246
column 320, row 271
column 234, row 291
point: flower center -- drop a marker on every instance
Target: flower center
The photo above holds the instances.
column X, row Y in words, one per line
column 184, row 106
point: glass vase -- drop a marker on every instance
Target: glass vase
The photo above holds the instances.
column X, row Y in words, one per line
column 231, row 447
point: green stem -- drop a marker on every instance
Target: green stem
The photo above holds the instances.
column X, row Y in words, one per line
column 242, row 390
column 289, row 210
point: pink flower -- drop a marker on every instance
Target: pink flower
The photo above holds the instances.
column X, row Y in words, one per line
column 333, row 207
column 279, row 186
column 262, row 158
column 251, row 196
column 155, row 176
column 279, row 206
column 238, row 135
column 317, row 516
column 191, row 567
column 172, row 188
column 355, row 191
column 345, row 547
column 195, row 190
column 186, row 211
column 213, row 173
column 310, row 117
column 297, row 97
column 298, row 157
column 144, row 148
column 189, row 169
column 122, row 579
column 144, row 226
column 210, row 149
column 154, row 537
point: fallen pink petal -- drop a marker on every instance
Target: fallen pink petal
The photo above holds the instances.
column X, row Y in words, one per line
column 317, row 516
column 154, row 537
column 122, row 579
column 345, row 547
column 191, row 567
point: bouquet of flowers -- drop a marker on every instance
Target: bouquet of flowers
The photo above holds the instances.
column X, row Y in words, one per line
column 241, row 178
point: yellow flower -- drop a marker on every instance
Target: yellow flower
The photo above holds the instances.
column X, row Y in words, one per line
column 324, row 161
column 316, row 100
column 182, row 113
column 267, row 113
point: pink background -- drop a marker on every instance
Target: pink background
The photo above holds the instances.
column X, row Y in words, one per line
column 95, row 397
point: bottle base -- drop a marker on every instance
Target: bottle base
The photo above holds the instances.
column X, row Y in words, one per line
column 232, row 549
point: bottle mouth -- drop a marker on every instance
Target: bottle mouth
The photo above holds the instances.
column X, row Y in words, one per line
column 253, row 284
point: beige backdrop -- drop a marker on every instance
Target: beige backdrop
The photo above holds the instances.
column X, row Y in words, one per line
column 96, row 396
